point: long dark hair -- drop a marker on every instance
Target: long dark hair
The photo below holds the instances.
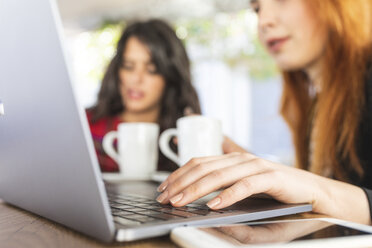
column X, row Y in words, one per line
column 170, row 58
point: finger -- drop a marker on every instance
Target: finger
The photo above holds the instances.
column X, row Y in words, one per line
column 216, row 180
column 197, row 161
column 188, row 166
column 202, row 170
column 255, row 184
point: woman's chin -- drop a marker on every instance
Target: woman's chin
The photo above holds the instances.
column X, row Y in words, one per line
column 289, row 64
column 137, row 108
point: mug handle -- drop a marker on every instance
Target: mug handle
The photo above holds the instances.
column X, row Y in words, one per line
column 164, row 144
column 108, row 145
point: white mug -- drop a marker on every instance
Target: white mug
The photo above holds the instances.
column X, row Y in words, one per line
column 137, row 154
column 197, row 136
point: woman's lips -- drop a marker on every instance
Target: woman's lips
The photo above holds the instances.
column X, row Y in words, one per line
column 135, row 94
column 275, row 45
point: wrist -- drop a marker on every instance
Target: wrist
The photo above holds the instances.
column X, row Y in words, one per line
column 321, row 199
column 341, row 200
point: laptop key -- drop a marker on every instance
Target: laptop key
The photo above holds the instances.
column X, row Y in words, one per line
column 163, row 206
column 136, row 210
column 127, row 207
column 147, row 212
column 165, row 216
column 121, row 201
column 152, row 202
column 122, row 213
column 124, row 208
column 156, row 207
column 142, row 205
column 143, row 200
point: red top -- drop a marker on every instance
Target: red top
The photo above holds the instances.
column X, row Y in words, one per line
column 98, row 130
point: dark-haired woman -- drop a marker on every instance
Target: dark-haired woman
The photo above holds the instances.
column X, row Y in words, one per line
column 148, row 80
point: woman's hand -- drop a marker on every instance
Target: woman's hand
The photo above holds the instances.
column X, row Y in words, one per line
column 244, row 174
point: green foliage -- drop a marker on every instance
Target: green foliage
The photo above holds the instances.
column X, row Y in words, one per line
column 231, row 38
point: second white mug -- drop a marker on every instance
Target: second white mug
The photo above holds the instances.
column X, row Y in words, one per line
column 197, row 136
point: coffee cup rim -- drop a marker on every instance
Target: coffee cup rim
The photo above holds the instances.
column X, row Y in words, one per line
column 139, row 124
column 198, row 117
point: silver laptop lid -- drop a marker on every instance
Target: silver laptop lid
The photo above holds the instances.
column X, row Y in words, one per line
column 47, row 161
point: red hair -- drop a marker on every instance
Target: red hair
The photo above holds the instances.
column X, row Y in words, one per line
column 325, row 128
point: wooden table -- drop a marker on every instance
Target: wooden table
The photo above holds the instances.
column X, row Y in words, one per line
column 19, row 228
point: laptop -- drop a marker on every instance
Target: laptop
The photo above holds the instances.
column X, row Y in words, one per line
column 48, row 164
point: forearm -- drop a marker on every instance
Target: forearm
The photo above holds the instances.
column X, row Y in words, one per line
column 342, row 200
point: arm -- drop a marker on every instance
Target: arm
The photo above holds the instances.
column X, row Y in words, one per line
column 243, row 174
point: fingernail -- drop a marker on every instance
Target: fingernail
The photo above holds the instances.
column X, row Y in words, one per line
column 213, row 203
column 162, row 186
column 162, row 197
column 176, row 198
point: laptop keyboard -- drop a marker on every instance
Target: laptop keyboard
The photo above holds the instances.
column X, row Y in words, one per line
column 129, row 210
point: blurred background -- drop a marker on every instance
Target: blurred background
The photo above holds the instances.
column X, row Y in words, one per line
column 236, row 80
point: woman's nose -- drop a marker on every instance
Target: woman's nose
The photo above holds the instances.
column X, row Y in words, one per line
column 266, row 18
column 137, row 76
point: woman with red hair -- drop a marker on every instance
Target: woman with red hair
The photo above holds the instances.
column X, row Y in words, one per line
column 324, row 50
